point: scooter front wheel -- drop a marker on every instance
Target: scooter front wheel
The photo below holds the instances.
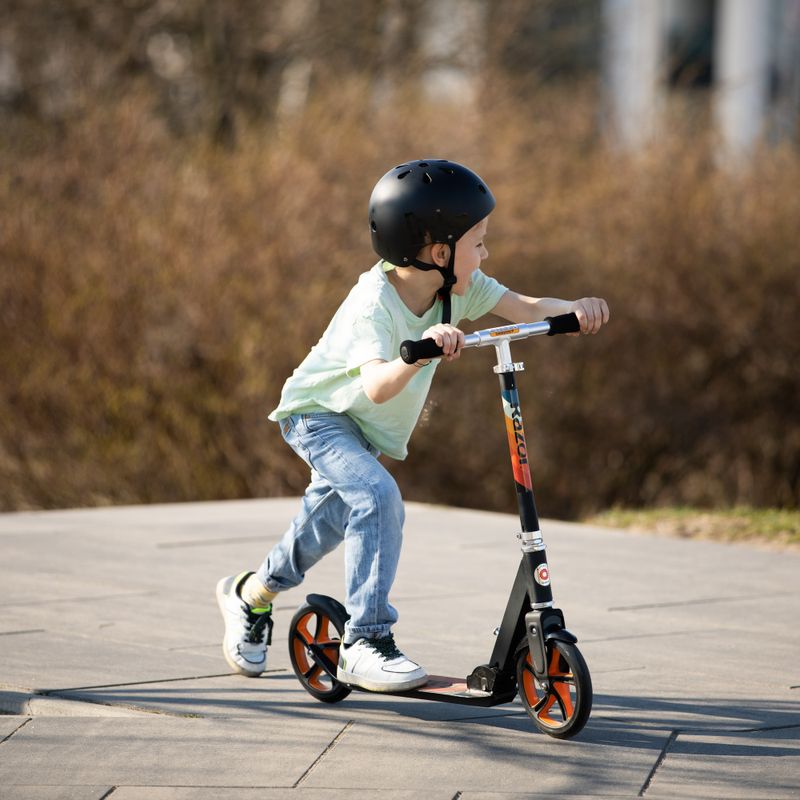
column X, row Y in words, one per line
column 562, row 708
column 315, row 634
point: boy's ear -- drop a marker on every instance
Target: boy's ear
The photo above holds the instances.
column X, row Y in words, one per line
column 440, row 254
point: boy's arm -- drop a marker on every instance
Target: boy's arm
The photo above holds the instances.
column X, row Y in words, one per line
column 592, row 312
column 383, row 380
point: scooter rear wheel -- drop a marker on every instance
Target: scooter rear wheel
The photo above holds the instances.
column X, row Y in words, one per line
column 315, row 634
column 562, row 709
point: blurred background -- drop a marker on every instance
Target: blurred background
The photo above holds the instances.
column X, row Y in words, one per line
column 183, row 205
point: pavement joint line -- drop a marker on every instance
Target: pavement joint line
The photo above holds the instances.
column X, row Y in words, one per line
column 480, row 717
column 618, row 669
column 689, row 731
column 428, row 597
column 755, row 730
column 126, row 706
column 659, row 761
column 92, row 636
column 30, row 630
column 108, row 793
column 210, row 542
column 60, row 600
column 26, row 704
column 649, row 635
column 46, row 692
column 325, row 752
column 699, row 601
column 16, row 730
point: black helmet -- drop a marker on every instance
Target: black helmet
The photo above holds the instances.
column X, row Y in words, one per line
column 423, row 202
column 435, row 197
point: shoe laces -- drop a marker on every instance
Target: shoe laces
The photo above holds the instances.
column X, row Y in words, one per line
column 386, row 647
column 256, row 624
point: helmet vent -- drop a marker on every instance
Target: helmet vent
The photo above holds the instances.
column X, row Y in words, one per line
column 401, row 166
column 422, row 164
column 403, row 174
column 482, row 188
column 373, row 226
column 448, row 170
column 426, row 178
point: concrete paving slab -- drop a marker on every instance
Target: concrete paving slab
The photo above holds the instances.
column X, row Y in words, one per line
column 487, row 755
column 713, row 714
column 664, row 625
column 86, row 661
column 127, row 618
column 762, row 765
column 161, row 751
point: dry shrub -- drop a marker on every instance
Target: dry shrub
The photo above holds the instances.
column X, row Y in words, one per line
column 155, row 294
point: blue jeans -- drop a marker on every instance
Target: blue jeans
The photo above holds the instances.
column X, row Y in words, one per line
column 353, row 498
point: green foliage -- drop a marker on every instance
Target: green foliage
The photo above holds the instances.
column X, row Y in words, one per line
column 156, row 292
column 769, row 526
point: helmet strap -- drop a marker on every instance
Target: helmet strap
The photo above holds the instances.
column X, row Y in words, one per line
column 449, row 275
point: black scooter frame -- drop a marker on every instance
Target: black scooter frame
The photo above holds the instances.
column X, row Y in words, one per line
column 529, row 615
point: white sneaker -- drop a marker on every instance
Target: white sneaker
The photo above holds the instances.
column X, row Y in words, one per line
column 377, row 665
column 248, row 631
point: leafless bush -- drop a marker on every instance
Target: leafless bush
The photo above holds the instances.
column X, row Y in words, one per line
column 155, row 293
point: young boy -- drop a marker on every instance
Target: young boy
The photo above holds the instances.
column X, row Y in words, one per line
column 353, row 398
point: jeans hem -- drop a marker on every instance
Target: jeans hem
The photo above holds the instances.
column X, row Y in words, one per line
column 365, row 632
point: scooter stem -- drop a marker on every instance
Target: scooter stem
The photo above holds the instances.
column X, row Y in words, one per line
column 533, row 549
column 515, row 430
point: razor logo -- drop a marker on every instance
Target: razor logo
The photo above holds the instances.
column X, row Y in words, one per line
column 507, row 331
column 519, row 435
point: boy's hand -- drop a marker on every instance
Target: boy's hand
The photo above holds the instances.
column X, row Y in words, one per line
column 450, row 339
column 592, row 313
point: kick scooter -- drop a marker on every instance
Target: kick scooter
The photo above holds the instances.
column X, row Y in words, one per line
column 534, row 654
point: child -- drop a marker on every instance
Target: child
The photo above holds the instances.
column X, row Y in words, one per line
column 353, row 398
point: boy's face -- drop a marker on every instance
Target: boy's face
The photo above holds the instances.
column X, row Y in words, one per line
column 470, row 252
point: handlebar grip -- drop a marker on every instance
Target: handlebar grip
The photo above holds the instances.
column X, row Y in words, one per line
column 563, row 323
column 412, row 352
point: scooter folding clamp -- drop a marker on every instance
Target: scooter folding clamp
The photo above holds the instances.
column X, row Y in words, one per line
column 512, row 366
column 532, row 541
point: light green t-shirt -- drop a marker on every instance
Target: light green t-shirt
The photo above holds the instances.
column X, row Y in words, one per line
column 370, row 324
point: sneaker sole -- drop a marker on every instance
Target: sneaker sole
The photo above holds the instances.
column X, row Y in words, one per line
column 379, row 686
column 231, row 663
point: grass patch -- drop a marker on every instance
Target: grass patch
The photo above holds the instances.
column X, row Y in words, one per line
column 763, row 525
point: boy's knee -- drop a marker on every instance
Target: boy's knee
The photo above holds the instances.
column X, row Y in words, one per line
column 387, row 498
column 388, row 495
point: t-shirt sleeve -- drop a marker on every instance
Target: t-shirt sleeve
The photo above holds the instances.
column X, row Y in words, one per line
column 370, row 339
column 483, row 295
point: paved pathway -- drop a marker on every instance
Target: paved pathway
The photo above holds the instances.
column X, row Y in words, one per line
column 112, row 681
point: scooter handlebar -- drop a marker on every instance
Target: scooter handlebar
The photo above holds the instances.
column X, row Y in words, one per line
column 563, row 323
column 411, row 351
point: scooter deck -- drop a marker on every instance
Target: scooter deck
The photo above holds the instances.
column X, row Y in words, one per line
column 452, row 690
